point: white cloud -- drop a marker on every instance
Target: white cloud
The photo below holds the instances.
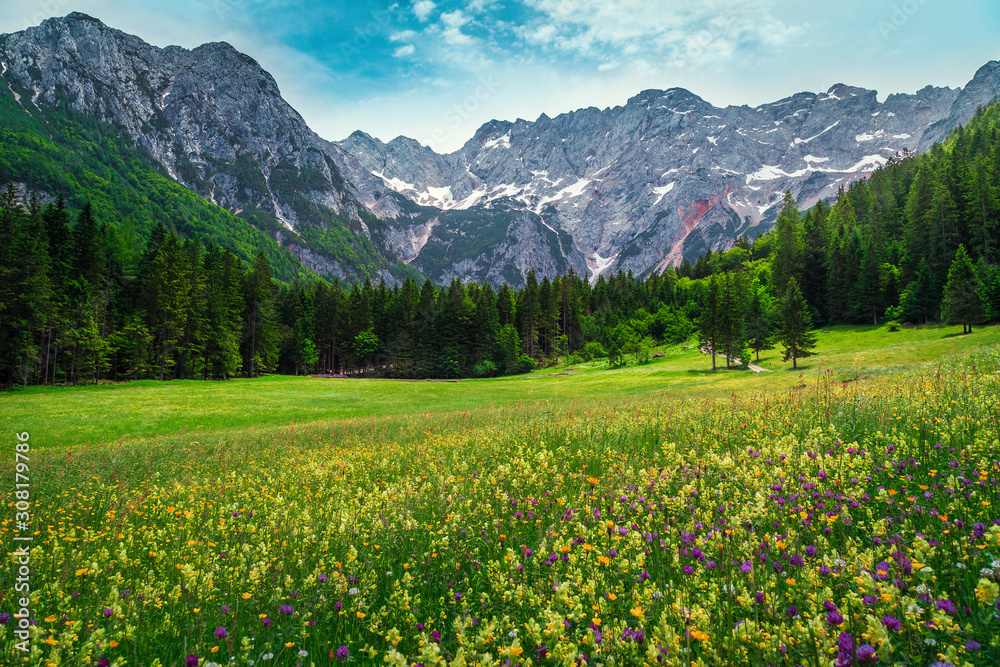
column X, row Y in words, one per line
column 478, row 6
column 453, row 22
column 674, row 33
column 543, row 34
column 422, row 9
column 403, row 36
column 404, row 51
column 455, row 19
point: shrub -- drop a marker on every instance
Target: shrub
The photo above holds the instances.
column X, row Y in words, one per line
column 526, row 364
column 592, row 350
column 484, row 369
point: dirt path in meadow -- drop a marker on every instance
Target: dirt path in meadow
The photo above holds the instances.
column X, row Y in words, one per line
column 752, row 366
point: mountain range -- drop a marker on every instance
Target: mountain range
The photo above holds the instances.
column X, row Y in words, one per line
column 635, row 188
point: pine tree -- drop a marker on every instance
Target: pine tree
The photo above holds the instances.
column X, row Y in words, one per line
column 170, row 303
column 510, row 349
column 984, row 206
column 260, row 337
column 758, row 324
column 710, row 320
column 816, row 239
column 786, row 262
column 528, row 312
column 795, row 324
column 732, row 312
column 963, row 294
column 917, row 303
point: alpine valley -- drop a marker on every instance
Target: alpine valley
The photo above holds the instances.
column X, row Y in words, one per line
column 93, row 113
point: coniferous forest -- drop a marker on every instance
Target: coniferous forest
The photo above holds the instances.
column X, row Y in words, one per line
column 916, row 242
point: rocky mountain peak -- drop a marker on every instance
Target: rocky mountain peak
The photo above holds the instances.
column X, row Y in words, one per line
column 80, row 16
column 635, row 187
column 668, row 175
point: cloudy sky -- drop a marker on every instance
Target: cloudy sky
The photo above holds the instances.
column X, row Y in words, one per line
column 435, row 70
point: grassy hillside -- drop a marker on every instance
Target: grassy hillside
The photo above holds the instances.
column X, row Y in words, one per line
column 62, row 152
column 854, row 522
column 141, row 411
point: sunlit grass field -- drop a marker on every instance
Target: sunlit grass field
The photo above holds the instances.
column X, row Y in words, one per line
column 149, row 410
column 658, row 514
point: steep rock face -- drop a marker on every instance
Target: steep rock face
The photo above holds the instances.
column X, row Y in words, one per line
column 212, row 118
column 669, row 175
column 635, row 187
column 217, row 123
column 982, row 90
column 204, row 114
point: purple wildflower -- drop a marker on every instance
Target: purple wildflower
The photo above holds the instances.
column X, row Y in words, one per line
column 342, row 653
column 286, row 609
column 845, row 650
column 865, row 654
column 892, row 623
column 947, row 606
column 220, row 632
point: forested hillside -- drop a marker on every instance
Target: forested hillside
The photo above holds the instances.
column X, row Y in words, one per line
column 917, row 242
column 61, row 152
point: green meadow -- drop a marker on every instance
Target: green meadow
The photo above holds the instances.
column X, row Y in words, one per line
column 846, row 512
column 59, row 417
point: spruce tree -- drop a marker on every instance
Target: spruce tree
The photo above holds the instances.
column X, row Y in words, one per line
column 917, row 302
column 963, row 294
column 528, row 312
column 732, row 313
column 260, row 331
column 758, row 324
column 710, row 320
column 795, row 324
column 786, row 262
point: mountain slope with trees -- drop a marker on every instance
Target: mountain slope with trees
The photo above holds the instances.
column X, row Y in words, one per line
column 916, row 242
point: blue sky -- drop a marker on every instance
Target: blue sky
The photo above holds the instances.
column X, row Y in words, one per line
column 435, row 70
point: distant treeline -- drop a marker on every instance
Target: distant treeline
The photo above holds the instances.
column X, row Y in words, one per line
column 72, row 311
column 916, row 242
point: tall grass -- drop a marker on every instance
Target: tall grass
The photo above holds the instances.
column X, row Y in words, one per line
column 833, row 523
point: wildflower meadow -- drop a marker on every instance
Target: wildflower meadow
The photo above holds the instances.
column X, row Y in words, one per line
column 839, row 523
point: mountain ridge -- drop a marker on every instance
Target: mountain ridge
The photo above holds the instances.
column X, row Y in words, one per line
column 637, row 187
column 673, row 211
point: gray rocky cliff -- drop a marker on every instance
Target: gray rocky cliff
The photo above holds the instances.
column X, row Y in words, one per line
column 634, row 187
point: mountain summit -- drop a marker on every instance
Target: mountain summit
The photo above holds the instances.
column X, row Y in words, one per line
column 635, row 187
